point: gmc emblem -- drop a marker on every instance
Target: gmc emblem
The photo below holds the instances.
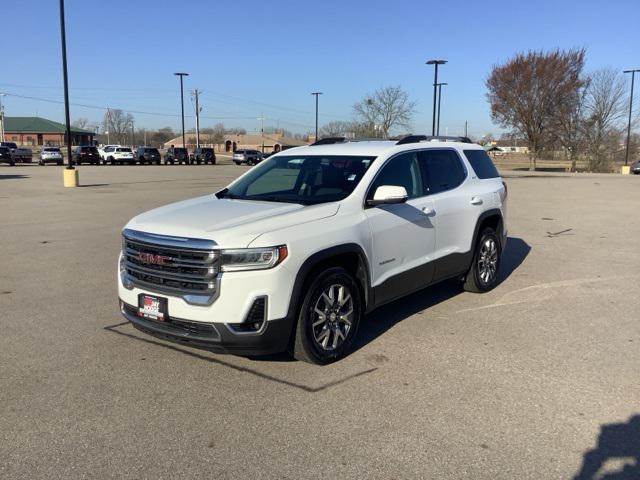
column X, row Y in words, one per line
column 151, row 259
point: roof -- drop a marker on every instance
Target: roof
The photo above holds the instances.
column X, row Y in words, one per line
column 39, row 125
column 374, row 148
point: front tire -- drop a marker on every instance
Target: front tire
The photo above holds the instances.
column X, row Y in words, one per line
column 328, row 318
column 483, row 274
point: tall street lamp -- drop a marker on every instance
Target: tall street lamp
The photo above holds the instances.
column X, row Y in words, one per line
column 439, row 102
column 181, row 75
column 316, row 94
column 70, row 174
column 633, row 78
column 435, row 63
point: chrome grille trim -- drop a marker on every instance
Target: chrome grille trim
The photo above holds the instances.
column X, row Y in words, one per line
column 186, row 267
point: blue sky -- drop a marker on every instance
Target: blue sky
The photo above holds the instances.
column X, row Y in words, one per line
column 252, row 57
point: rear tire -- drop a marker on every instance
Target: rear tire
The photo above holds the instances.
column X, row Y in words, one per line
column 328, row 318
column 483, row 273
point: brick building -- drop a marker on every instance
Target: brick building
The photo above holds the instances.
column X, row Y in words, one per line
column 33, row 131
column 272, row 142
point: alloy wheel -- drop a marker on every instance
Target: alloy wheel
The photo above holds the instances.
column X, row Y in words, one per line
column 488, row 261
column 332, row 317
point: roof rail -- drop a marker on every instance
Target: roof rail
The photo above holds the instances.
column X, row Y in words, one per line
column 329, row 141
column 429, row 138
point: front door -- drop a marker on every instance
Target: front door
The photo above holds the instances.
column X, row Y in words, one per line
column 403, row 235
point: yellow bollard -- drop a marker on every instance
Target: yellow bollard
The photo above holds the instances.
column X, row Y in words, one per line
column 625, row 170
column 70, row 177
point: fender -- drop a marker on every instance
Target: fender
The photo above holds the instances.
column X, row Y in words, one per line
column 362, row 274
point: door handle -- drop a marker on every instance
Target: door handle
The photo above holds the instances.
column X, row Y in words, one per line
column 476, row 201
column 428, row 211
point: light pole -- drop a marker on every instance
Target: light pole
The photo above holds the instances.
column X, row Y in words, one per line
column 633, row 77
column 66, row 84
column 181, row 75
column 439, row 102
column 435, row 63
column 316, row 94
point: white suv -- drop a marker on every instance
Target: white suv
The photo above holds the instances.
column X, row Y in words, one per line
column 119, row 155
column 293, row 253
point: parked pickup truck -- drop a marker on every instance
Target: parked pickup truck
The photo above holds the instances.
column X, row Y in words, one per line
column 5, row 156
column 294, row 253
column 18, row 154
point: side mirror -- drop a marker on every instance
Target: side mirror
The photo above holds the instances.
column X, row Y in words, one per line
column 388, row 195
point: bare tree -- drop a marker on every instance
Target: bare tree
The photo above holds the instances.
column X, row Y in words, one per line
column 524, row 93
column 119, row 124
column 605, row 107
column 161, row 136
column 336, row 128
column 569, row 123
column 388, row 108
column 81, row 122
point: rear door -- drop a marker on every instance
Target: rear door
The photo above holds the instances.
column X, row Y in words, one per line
column 457, row 206
column 402, row 235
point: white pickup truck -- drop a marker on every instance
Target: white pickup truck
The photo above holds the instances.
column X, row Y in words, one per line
column 18, row 154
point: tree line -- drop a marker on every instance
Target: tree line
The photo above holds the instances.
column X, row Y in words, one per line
column 547, row 99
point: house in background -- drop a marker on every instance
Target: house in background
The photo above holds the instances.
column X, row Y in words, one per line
column 33, row 131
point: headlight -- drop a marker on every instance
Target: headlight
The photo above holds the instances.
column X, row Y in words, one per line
column 252, row 258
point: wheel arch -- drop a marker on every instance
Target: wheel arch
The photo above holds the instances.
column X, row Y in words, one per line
column 491, row 218
column 349, row 256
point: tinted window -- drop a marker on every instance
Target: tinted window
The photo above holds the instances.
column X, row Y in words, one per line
column 401, row 171
column 151, row 150
column 443, row 169
column 481, row 163
column 301, row 179
column 123, row 149
column 89, row 149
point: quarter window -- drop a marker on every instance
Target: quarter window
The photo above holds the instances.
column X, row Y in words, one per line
column 401, row 171
column 443, row 170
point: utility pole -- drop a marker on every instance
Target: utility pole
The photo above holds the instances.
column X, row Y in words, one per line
column 2, row 118
column 435, row 63
column 181, row 75
column 439, row 102
column 316, row 94
column 633, row 77
column 196, row 94
column 465, row 128
column 145, row 136
column 133, row 134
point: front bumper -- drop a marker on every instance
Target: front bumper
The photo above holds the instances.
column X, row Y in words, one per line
column 215, row 337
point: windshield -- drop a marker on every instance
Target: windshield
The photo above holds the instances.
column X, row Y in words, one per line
column 50, row 149
column 127, row 150
column 300, row 179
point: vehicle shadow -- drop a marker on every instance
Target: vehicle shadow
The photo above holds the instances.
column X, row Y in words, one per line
column 616, row 442
column 12, row 177
column 385, row 317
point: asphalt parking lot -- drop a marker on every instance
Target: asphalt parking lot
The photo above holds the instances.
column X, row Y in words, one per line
column 522, row 382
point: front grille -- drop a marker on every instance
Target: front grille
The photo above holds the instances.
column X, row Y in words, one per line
column 177, row 266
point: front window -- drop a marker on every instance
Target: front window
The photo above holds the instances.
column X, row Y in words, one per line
column 301, row 179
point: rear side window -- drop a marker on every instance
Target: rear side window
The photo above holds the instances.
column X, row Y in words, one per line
column 481, row 163
column 443, row 170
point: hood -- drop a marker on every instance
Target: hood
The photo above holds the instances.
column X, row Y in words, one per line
column 229, row 223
